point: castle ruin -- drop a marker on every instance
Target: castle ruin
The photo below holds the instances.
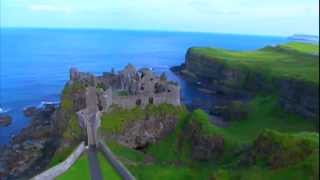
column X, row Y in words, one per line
column 127, row 89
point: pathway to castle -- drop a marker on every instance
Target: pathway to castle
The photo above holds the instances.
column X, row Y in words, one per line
column 95, row 170
column 91, row 102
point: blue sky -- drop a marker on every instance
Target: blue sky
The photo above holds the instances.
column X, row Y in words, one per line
column 272, row 17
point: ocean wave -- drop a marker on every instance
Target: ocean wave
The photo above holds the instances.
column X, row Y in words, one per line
column 43, row 103
column 4, row 110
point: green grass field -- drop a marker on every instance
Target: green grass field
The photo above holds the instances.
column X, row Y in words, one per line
column 303, row 47
column 80, row 170
column 265, row 112
column 115, row 121
column 292, row 60
column 108, row 172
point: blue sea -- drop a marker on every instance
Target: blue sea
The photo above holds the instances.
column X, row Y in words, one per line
column 35, row 63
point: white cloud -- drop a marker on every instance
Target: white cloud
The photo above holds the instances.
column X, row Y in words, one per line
column 51, row 8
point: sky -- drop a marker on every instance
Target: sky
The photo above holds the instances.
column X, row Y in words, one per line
column 270, row 17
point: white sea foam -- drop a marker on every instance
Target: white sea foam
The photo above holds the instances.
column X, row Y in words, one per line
column 43, row 103
column 4, row 110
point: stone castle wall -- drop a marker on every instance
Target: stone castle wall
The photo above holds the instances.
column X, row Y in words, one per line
column 141, row 88
column 143, row 100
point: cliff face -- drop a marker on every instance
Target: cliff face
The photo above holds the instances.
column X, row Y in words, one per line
column 296, row 96
column 214, row 74
column 299, row 97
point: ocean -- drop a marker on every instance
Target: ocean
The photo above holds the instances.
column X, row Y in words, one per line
column 35, row 63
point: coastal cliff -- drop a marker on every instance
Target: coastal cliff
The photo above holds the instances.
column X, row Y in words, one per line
column 288, row 71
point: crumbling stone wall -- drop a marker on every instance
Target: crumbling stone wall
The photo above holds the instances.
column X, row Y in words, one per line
column 129, row 88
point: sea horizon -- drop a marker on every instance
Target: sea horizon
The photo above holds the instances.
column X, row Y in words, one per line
column 154, row 30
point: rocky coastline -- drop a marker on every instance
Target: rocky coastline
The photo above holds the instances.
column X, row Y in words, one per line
column 30, row 151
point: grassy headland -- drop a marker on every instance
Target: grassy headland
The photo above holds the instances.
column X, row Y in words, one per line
column 298, row 61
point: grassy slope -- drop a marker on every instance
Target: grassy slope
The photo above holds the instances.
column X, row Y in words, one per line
column 72, row 130
column 61, row 155
column 108, row 172
column 303, row 47
column 265, row 112
column 169, row 163
column 292, row 60
column 80, row 170
column 115, row 121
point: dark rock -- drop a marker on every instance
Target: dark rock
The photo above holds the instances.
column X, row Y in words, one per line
column 29, row 111
column 5, row 120
column 30, row 151
column 279, row 150
column 206, row 148
column 300, row 98
column 141, row 133
column 234, row 110
column 49, row 109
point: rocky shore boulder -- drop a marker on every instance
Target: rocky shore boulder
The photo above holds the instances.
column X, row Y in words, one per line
column 5, row 120
column 30, row 151
column 29, row 111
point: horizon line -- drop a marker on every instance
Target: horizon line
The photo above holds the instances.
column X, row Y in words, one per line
column 150, row 30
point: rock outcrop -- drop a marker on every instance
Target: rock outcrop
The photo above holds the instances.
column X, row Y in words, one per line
column 29, row 152
column 205, row 145
column 281, row 150
column 5, row 120
column 140, row 134
column 299, row 97
column 206, row 148
column 29, row 111
column 233, row 110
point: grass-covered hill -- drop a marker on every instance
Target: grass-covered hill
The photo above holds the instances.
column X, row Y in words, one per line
column 268, row 144
column 289, row 71
column 294, row 60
